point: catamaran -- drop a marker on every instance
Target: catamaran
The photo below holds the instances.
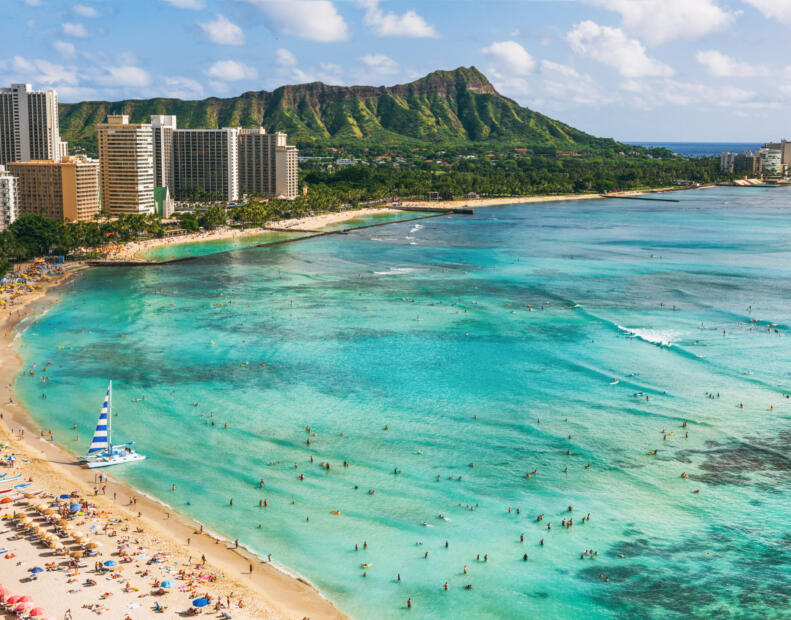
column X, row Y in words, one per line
column 102, row 452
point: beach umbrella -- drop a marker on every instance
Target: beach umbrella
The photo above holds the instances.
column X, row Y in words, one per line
column 37, row 612
column 111, row 563
column 5, row 500
column 64, row 496
column 76, row 554
column 18, row 609
column 13, row 600
column 92, row 545
column 25, row 599
column 167, row 584
column 75, row 508
column 200, row 602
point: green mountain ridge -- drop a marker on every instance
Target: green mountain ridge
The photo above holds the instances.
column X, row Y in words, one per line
column 455, row 107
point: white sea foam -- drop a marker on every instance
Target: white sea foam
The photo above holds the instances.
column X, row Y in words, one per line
column 397, row 271
column 652, row 336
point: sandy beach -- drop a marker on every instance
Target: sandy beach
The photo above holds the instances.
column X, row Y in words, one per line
column 126, row 527
column 134, row 250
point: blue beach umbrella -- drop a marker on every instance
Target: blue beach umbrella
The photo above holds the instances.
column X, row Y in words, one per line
column 200, row 602
column 167, row 584
column 65, row 496
column 37, row 570
column 110, row 563
column 75, row 508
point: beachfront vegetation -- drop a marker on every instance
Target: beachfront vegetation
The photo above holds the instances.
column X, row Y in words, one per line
column 453, row 175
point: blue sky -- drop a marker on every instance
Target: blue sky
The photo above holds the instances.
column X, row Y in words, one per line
column 686, row 70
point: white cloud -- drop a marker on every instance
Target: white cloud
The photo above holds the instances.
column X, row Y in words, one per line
column 288, row 68
column 75, row 30
column 773, row 9
column 410, row 24
column 285, row 59
column 76, row 93
column 511, row 56
column 314, row 20
column 182, row 88
column 195, row 5
column 45, row 71
column 380, row 64
column 65, row 49
column 85, row 11
column 223, row 31
column 611, row 46
column 231, row 71
column 720, row 65
column 124, row 75
column 650, row 94
column 566, row 85
column 658, row 21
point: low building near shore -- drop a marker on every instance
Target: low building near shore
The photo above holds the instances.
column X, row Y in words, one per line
column 9, row 198
column 63, row 190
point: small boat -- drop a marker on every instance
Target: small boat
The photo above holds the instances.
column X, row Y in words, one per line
column 102, row 452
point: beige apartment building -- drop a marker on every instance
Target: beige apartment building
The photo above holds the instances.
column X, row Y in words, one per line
column 286, row 172
column 65, row 190
column 126, row 156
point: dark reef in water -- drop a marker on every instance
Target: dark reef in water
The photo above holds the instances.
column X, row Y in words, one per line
column 732, row 463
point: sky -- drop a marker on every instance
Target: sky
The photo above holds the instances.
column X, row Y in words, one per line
column 650, row 70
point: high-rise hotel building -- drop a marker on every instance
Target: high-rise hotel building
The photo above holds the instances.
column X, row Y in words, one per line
column 9, row 198
column 29, row 126
column 126, row 155
column 206, row 165
column 64, row 190
column 163, row 127
column 267, row 165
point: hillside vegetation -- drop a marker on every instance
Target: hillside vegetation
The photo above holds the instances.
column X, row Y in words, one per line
column 445, row 107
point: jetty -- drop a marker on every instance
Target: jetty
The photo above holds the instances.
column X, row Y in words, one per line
column 643, row 198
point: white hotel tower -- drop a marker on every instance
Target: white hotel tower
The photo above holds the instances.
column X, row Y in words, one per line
column 29, row 127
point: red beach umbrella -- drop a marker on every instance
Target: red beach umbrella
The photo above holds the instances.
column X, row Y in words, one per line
column 21, row 607
column 25, row 599
column 37, row 612
column 14, row 599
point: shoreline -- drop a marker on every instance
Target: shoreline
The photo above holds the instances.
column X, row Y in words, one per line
column 134, row 250
column 272, row 591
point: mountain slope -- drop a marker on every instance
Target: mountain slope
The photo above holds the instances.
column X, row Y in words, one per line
column 459, row 106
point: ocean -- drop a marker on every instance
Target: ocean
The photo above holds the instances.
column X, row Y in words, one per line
column 702, row 149
column 475, row 372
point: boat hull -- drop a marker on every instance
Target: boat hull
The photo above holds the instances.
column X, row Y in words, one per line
column 114, row 459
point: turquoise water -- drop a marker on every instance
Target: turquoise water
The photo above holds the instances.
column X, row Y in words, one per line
column 212, row 246
column 490, row 340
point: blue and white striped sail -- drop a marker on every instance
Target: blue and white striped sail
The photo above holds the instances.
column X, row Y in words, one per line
column 101, row 437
